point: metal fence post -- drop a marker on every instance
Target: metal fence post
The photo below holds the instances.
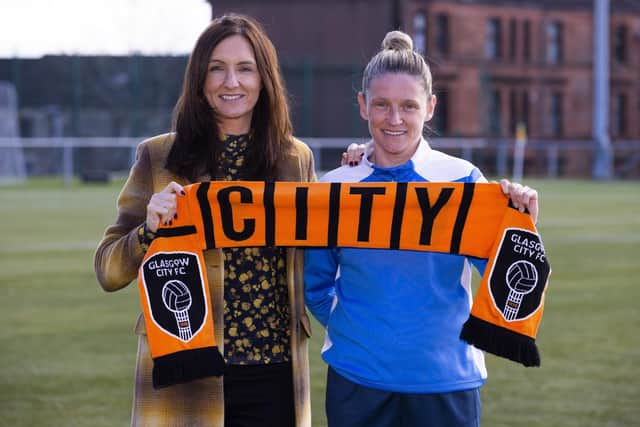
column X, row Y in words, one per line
column 467, row 152
column 132, row 154
column 501, row 159
column 552, row 160
column 519, row 152
column 67, row 161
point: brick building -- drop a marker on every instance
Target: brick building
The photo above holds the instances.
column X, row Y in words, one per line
column 496, row 63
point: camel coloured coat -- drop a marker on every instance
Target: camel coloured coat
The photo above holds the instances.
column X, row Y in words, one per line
column 118, row 256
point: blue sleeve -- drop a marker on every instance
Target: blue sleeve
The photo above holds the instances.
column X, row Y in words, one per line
column 320, row 267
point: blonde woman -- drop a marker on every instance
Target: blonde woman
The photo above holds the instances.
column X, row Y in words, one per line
column 393, row 318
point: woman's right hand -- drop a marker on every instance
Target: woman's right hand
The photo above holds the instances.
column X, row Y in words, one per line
column 162, row 206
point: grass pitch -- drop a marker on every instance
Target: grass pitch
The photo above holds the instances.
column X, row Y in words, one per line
column 68, row 348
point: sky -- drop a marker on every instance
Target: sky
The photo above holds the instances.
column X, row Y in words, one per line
column 32, row 28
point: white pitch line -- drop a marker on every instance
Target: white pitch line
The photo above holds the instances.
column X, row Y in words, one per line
column 48, row 246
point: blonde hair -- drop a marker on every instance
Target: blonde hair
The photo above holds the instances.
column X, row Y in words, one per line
column 397, row 56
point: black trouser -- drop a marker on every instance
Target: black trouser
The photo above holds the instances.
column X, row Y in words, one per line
column 259, row 395
column 353, row 405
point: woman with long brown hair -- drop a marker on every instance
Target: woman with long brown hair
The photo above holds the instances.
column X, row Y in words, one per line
column 231, row 122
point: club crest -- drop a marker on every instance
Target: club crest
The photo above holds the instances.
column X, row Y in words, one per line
column 519, row 275
column 175, row 293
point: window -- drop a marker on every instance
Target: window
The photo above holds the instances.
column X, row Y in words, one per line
column 620, row 44
column 619, row 115
column 495, row 107
column 441, row 116
column 493, row 46
column 513, row 36
column 442, row 34
column 420, row 32
column 554, row 42
column 556, row 115
column 526, row 41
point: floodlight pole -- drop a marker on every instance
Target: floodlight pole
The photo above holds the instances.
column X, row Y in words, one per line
column 213, row 11
column 602, row 164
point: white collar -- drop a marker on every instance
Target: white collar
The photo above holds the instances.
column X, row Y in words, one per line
column 422, row 151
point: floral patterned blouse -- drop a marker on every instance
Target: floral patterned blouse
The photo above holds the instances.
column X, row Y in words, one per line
column 256, row 298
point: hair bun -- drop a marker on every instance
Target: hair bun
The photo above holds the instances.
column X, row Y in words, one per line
column 397, row 40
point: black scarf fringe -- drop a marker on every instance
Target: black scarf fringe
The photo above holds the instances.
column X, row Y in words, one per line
column 500, row 341
column 188, row 365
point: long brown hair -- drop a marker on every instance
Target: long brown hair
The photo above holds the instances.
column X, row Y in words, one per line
column 197, row 146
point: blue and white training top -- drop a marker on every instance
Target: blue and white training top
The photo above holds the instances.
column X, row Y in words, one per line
column 393, row 318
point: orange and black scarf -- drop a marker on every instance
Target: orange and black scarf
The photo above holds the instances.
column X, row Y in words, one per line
column 464, row 219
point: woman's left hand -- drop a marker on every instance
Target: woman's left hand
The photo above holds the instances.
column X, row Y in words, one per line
column 353, row 155
column 522, row 197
